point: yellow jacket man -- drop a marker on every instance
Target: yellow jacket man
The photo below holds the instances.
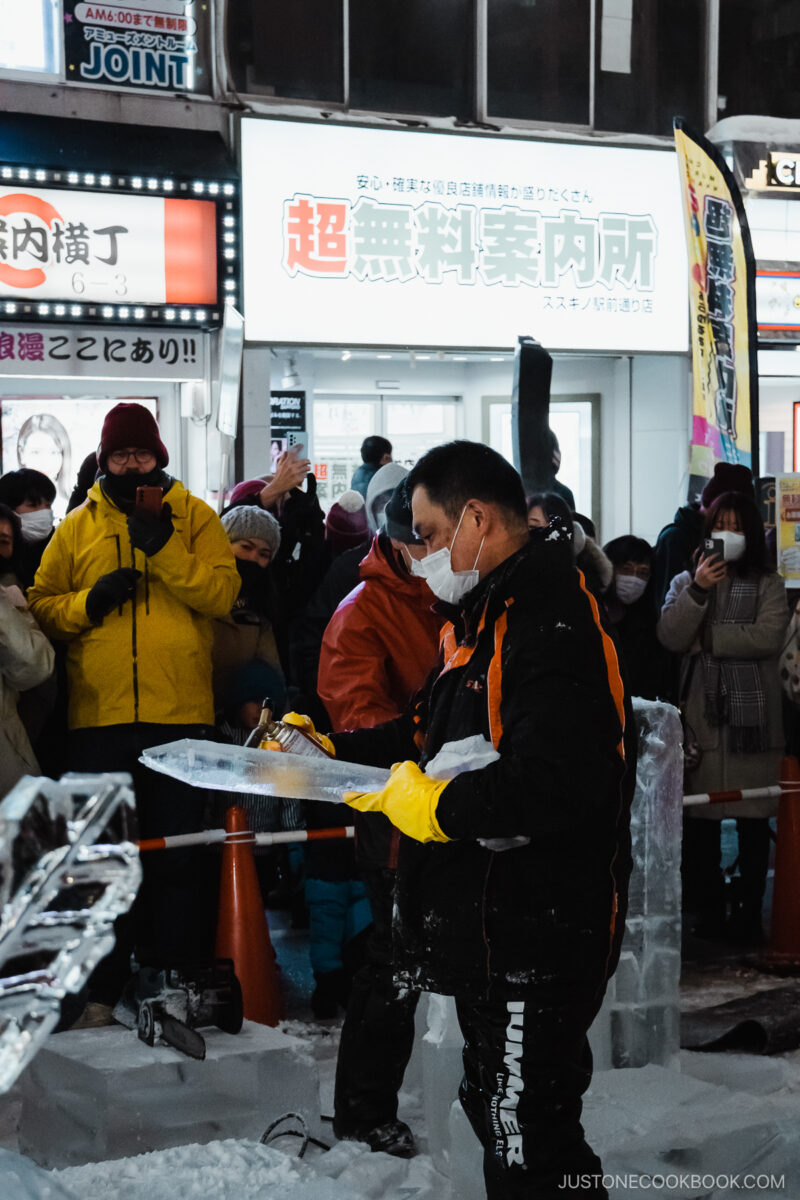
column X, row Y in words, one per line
column 133, row 591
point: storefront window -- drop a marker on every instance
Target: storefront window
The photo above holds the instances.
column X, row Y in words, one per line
column 412, row 424
column 289, row 50
column 571, row 421
column 538, row 60
column 412, row 56
column 759, row 58
column 29, row 37
column 651, row 67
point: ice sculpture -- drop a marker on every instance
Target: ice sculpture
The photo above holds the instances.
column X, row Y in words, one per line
column 67, row 870
column 639, row 1020
column 265, row 772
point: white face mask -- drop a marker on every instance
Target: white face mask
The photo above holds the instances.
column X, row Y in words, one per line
column 36, row 525
column 444, row 582
column 629, row 588
column 733, row 544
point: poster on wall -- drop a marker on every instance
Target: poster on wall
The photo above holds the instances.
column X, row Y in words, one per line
column 159, row 45
column 287, row 414
column 787, row 496
column 387, row 237
column 722, row 308
column 53, row 435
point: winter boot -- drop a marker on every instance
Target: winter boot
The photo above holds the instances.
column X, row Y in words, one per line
column 393, row 1137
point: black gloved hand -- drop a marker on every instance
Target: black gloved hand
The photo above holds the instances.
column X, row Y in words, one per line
column 111, row 590
column 150, row 532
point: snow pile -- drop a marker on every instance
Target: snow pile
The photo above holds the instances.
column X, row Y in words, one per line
column 236, row 1170
column 229, row 1170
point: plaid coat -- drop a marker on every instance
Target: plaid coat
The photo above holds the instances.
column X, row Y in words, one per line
column 683, row 623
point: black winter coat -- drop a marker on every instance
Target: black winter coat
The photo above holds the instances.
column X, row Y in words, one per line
column 527, row 664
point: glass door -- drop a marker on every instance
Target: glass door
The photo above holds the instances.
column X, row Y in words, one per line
column 413, row 424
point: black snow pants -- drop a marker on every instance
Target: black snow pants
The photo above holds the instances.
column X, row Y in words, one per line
column 171, row 919
column 378, row 1030
column 527, row 1064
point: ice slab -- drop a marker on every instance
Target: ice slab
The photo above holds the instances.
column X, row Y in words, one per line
column 99, row 1094
column 264, row 772
column 654, row 1121
column 639, row 1022
column 442, row 1068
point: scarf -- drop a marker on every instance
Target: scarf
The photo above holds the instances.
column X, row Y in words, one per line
column 733, row 692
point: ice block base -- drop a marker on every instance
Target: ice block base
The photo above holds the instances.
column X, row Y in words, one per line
column 97, row 1094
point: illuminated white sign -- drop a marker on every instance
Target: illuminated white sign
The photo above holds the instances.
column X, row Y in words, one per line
column 374, row 237
column 96, row 247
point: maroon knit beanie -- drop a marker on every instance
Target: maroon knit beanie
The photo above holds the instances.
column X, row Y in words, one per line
column 728, row 477
column 346, row 522
column 130, row 426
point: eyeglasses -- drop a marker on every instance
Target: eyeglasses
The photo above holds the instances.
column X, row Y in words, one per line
column 120, row 457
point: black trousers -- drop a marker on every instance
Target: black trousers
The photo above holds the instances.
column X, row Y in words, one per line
column 378, row 1030
column 171, row 919
column 527, row 1064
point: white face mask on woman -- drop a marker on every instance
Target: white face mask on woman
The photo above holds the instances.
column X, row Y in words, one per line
column 36, row 525
column 629, row 588
column 436, row 570
column 733, row 544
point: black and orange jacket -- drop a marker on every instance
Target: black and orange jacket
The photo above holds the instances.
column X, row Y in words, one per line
column 527, row 664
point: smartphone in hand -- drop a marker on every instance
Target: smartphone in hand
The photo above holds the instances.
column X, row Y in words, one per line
column 150, row 499
column 715, row 546
column 297, row 442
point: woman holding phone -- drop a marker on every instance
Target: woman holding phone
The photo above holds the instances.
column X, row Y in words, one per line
column 727, row 618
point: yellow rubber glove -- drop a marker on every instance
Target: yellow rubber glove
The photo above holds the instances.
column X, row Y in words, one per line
column 409, row 800
column 307, row 725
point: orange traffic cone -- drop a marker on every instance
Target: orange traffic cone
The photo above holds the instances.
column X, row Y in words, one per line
column 783, row 952
column 242, row 930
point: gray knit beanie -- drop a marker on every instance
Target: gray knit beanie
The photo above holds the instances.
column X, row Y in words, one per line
column 250, row 521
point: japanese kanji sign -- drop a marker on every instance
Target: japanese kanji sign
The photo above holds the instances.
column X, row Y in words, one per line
column 722, row 305
column 370, row 236
column 106, row 247
column 154, row 44
column 81, row 351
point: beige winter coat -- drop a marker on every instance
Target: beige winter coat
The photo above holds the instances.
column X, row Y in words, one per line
column 680, row 629
column 26, row 659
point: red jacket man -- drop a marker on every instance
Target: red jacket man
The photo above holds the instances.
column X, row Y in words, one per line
column 378, row 650
column 381, row 642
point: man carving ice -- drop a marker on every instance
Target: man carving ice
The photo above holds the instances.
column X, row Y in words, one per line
column 525, row 936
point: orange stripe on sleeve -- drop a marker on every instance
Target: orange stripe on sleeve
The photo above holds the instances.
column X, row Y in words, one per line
column 494, row 681
column 453, row 654
column 612, row 662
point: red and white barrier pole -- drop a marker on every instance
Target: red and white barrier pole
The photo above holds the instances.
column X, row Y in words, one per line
column 208, row 837
column 765, row 793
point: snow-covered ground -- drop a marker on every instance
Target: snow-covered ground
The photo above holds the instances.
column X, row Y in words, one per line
column 715, row 1125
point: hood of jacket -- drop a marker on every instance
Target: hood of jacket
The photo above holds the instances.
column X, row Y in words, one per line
column 594, row 557
column 380, row 564
column 689, row 520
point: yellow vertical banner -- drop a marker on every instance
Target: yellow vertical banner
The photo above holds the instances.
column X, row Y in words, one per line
column 722, row 311
column 787, row 519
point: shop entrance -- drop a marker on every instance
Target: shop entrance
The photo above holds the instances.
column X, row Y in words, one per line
column 413, row 424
